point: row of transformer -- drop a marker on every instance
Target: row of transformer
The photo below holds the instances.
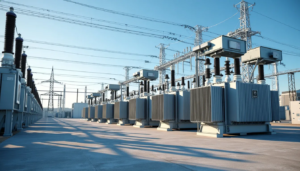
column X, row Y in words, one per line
column 20, row 104
column 220, row 107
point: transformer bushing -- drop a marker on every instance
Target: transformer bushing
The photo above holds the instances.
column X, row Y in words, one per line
column 207, row 71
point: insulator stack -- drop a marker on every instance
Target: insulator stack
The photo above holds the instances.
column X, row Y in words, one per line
column 217, row 66
column 237, row 70
column 227, row 67
column 23, row 63
column 148, row 87
column 261, row 74
column 207, row 70
column 173, row 78
column 18, row 51
column 29, row 77
column 182, row 81
column 9, row 31
column 127, row 91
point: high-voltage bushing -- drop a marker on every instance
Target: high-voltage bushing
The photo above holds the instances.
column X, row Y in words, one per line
column 207, row 71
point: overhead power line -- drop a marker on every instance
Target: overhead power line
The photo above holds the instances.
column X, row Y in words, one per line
column 223, row 20
column 276, row 20
column 131, row 15
column 94, row 56
column 78, row 62
column 85, row 48
column 88, row 24
column 99, row 20
column 76, row 76
column 285, row 44
column 77, row 71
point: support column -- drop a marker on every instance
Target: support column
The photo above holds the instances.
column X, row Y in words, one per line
column 237, row 70
column 261, row 75
column 8, row 123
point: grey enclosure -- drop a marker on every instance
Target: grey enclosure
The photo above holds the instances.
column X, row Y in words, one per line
column 222, row 46
column 243, row 107
column 275, row 106
column 183, row 103
column 146, row 74
column 263, row 54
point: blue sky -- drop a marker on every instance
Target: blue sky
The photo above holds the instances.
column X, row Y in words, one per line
column 191, row 12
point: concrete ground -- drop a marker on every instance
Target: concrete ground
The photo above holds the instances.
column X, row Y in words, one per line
column 74, row 144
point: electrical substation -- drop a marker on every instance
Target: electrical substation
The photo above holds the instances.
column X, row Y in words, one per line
column 213, row 106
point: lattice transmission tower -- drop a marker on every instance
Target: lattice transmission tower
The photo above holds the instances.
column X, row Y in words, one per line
column 292, row 87
column 198, row 41
column 162, row 60
column 51, row 91
column 245, row 33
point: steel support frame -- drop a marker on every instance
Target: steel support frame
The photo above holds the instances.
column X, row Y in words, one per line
column 292, row 87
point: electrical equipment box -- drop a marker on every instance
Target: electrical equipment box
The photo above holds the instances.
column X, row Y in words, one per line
column 98, row 111
column 295, row 112
column 263, row 54
column 183, row 104
column 222, row 46
column 207, row 104
column 112, row 87
column 10, row 88
column 108, row 111
column 137, row 109
column 95, row 95
column 145, row 74
column 247, row 102
column 163, row 107
column 121, row 110
column 23, row 96
column 275, row 105
column 77, row 109
column 91, row 112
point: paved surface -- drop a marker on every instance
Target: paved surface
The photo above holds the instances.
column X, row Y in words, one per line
column 74, row 144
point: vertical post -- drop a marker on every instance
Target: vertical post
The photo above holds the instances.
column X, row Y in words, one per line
column 196, row 70
column 85, row 94
column 121, row 93
column 77, row 97
column 64, row 98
